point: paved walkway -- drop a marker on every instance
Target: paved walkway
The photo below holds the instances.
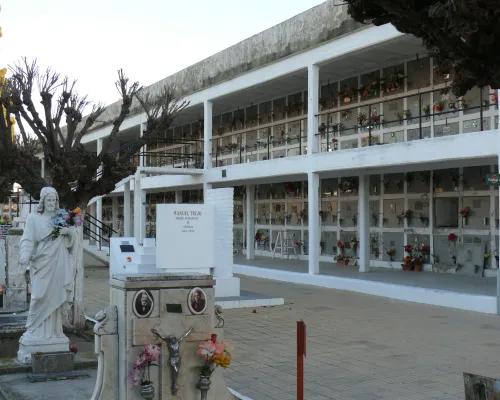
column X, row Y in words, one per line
column 360, row 347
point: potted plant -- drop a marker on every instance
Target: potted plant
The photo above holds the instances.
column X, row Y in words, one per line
column 417, row 264
column 341, row 259
column 407, row 265
column 414, row 260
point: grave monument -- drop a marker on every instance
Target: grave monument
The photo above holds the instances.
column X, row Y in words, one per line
column 165, row 299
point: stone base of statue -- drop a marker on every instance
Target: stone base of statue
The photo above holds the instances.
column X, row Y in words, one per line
column 29, row 346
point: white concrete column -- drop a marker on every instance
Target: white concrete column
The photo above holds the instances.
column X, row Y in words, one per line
column 137, row 207
column 114, row 213
column 226, row 284
column 127, row 211
column 99, row 149
column 141, row 158
column 312, row 109
column 250, row 221
column 143, row 216
column 498, row 270
column 92, row 227
column 178, row 196
column 207, row 134
column 98, row 214
column 313, row 221
column 10, row 210
column 206, row 186
column 42, row 167
column 364, row 223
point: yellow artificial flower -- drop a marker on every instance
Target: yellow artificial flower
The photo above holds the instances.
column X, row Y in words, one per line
column 77, row 210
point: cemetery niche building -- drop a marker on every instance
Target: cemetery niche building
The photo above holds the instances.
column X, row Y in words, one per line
column 343, row 147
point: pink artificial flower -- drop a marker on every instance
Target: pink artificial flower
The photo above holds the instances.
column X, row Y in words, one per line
column 206, row 349
column 141, row 360
column 134, row 377
column 219, row 349
column 153, row 351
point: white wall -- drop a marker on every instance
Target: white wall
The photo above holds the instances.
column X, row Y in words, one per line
column 226, row 284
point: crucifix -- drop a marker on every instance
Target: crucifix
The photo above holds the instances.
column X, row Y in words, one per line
column 174, row 360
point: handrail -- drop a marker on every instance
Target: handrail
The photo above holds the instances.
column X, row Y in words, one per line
column 98, row 235
column 372, row 122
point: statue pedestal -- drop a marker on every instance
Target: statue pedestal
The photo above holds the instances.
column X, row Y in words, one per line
column 166, row 304
column 28, row 346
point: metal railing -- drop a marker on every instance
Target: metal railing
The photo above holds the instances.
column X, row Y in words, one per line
column 359, row 119
column 98, row 231
column 285, row 143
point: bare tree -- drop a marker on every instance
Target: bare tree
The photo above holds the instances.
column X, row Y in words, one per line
column 462, row 35
column 58, row 134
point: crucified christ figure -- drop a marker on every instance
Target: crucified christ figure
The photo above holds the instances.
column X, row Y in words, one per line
column 174, row 359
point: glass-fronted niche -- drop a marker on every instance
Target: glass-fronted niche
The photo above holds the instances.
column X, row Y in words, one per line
column 403, row 102
column 418, row 207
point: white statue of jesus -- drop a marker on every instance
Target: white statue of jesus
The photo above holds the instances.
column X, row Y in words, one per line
column 51, row 271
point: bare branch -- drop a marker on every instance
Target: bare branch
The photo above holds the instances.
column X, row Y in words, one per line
column 97, row 110
column 21, row 128
column 161, row 110
column 127, row 92
column 74, row 115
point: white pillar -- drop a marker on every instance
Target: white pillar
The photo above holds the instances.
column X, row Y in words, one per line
column 98, row 215
column 42, row 167
column 364, row 223
column 114, row 213
column 207, row 134
column 137, row 207
column 92, row 227
column 127, row 212
column 10, row 210
column 250, row 220
column 313, row 221
column 206, row 186
column 312, row 109
column 141, row 150
column 143, row 216
column 498, row 270
column 178, row 196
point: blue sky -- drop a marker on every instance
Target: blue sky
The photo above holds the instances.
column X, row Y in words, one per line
column 150, row 39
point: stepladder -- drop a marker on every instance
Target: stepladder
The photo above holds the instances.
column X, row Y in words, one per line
column 285, row 241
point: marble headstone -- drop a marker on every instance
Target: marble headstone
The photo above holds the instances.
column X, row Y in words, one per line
column 470, row 259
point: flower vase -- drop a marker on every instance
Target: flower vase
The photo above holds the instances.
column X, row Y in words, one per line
column 148, row 391
column 203, row 385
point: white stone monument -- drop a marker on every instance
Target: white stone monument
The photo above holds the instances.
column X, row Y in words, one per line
column 185, row 240
column 15, row 293
column 51, row 268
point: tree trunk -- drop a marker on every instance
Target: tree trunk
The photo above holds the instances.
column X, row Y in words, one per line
column 73, row 313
